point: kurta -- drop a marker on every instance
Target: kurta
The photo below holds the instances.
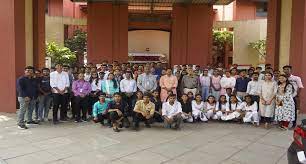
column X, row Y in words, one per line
column 286, row 110
column 108, row 88
column 227, row 82
column 169, row 82
column 268, row 91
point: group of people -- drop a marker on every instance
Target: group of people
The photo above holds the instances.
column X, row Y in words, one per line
column 123, row 95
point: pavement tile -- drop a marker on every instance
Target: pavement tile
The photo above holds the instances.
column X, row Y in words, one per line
column 170, row 150
column 71, row 143
column 16, row 151
column 142, row 157
column 259, row 153
column 39, row 157
column 197, row 158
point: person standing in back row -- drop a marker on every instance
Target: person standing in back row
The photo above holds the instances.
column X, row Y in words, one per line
column 190, row 83
column 45, row 96
column 146, row 82
column 241, row 85
column 59, row 81
column 297, row 86
column 27, row 91
column 167, row 83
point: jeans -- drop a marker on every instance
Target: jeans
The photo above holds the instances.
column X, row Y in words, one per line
column 25, row 107
column 241, row 95
column 44, row 106
column 216, row 94
column 205, row 92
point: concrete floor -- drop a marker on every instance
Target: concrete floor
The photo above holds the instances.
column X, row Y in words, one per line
column 211, row 143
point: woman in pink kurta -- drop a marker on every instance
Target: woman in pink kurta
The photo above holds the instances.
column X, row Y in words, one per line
column 167, row 83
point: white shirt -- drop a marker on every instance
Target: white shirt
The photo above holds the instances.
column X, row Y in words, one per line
column 87, row 76
column 106, row 75
column 254, row 88
column 296, row 82
column 252, row 108
column 94, row 86
column 209, row 106
column 228, row 82
column 128, row 86
column 229, row 97
column 205, row 81
column 196, row 108
column 171, row 110
column 234, row 107
column 223, row 106
column 59, row 80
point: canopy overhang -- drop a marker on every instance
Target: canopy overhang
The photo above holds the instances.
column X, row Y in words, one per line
column 163, row 2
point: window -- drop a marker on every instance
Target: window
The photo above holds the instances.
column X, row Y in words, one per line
column 262, row 9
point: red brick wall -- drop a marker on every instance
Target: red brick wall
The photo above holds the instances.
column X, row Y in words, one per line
column 245, row 10
column 107, row 29
column 273, row 32
column 191, row 36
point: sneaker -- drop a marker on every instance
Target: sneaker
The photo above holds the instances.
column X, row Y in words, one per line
column 22, row 127
column 77, row 121
column 32, row 123
column 84, row 120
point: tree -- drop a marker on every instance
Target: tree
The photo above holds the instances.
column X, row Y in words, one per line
column 221, row 40
column 260, row 47
column 77, row 43
column 59, row 54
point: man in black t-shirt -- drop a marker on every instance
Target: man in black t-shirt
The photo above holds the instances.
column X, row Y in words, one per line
column 186, row 108
column 118, row 113
column 44, row 97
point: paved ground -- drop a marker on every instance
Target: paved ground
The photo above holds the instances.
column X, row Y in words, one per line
column 220, row 143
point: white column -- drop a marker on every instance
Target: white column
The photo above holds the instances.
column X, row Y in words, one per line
column 29, row 31
column 285, row 31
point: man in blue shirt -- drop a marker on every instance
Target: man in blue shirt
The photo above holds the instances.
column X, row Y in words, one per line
column 27, row 87
column 99, row 111
column 241, row 85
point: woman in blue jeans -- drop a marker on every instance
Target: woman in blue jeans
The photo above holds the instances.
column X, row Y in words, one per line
column 205, row 81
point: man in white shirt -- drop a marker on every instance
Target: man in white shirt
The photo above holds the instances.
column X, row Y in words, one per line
column 128, row 87
column 297, row 85
column 253, row 88
column 87, row 73
column 59, row 81
column 171, row 111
